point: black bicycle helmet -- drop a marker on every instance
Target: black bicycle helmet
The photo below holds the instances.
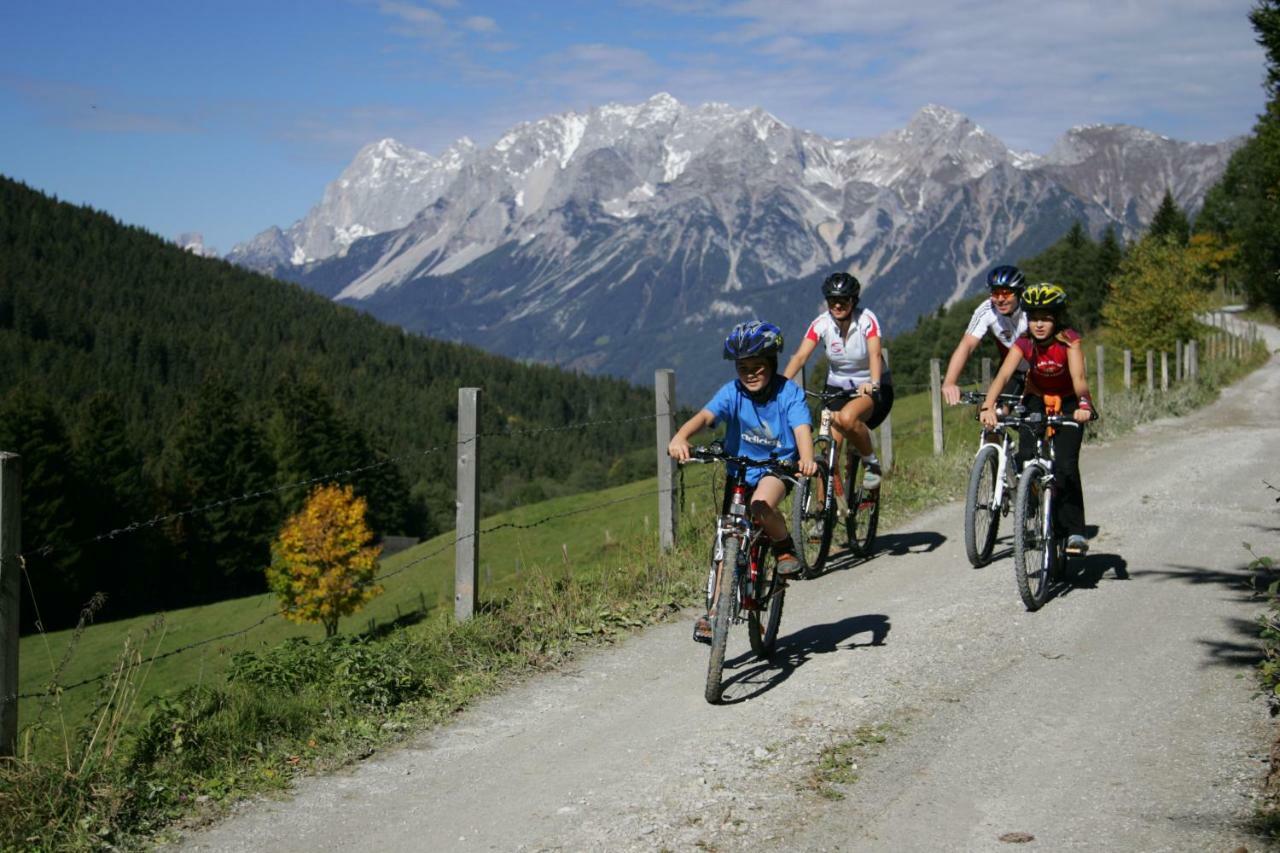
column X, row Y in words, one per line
column 841, row 284
column 1006, row 276
column 756, row 338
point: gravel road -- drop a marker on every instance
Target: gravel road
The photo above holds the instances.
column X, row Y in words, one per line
column 1121, row 716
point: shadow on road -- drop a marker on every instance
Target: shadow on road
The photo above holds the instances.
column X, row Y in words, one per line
column 1243, row 647
column 912, row 542
column 889, row 544
column 752, row 677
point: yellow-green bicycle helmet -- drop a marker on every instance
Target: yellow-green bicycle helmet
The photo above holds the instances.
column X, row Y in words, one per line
column 1044, row 297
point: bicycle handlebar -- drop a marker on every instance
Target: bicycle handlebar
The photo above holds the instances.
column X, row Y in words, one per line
column 828, row 396
column 979, row 397
column 715, row 453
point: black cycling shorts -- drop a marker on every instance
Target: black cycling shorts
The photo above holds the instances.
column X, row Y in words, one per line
column 882, row 402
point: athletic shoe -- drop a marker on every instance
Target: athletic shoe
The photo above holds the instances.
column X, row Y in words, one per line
column 1077, row 544
column 871, row 477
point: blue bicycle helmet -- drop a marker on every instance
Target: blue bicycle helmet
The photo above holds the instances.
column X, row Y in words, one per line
column 1006, row 276
column 749, row 340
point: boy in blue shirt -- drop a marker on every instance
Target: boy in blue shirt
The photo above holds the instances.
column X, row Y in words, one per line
column 765, row 416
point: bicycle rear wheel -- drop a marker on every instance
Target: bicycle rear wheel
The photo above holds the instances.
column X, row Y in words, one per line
column 1033, row 545
column 864, row 511
column 726, row 604
column 763, row 621
column 811, row 523
column 981, row 515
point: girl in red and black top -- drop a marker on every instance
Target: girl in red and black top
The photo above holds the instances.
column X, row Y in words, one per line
column 1056, row 369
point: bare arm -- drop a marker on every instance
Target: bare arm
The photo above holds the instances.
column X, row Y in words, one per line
column 875, row 356
column 804, row 444
column 959, row 358
column 798, row 360
column 1007, row 367
column 1079, row 382
column 678, row 449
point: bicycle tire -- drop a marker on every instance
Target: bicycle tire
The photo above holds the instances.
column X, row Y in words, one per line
column 763, row 623
column 726, row 604
column 811, row 520
column 981, row 515
column 864, row 512
column 1033, row 537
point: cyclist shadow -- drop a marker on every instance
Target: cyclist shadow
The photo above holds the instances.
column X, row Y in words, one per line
column 890, row 544
column 757, row 677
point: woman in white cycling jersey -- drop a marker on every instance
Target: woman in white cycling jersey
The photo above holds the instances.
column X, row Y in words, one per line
column 851, row 338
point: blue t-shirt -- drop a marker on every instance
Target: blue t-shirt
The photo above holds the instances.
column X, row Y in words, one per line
column 760, row 430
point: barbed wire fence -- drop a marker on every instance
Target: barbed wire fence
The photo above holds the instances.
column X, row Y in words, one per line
column 92, row 610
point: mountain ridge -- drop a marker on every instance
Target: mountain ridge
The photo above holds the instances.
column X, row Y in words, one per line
column 678, row 213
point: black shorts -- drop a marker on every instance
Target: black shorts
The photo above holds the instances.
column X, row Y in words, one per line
column 882, row 401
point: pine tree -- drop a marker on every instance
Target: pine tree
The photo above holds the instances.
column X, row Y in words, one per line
column 1170, row 222
column 55, row 567
column 217, row 455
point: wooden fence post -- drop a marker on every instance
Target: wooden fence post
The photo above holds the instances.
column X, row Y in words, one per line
column 467, row 531
column 1102, row 376
column 1164, row 371
column 986, row 372
column 1128, row 370
column 664, row 403
column 1151, row 370
column 1193, row 361
column 886, row 433
column 935, row 400
column 10, row 594
column 1178, row 372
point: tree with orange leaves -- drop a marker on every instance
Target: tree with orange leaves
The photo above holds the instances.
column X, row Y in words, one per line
column 323, row 562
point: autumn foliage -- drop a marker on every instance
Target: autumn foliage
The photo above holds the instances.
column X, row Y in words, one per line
column 323, row 562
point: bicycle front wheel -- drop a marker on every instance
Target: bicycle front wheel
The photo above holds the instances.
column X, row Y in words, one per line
column 726, row 604
column 763, row 622
column 864, row 512
column 981, row 515
column 811, row 523
column 1033, row 537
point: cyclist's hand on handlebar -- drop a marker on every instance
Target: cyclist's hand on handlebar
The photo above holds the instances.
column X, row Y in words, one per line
column 678, row 449
column 1083, row 416
column 807, row 466
column 988, row 418
column 951, row 394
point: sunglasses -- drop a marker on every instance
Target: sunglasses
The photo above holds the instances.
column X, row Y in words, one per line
column 839, row 300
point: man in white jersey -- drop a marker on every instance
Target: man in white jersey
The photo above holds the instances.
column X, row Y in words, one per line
column 1001, row 315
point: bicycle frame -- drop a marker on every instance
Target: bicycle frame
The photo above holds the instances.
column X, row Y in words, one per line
column 735, row 521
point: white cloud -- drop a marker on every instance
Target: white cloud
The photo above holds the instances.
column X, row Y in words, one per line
column 480, row 24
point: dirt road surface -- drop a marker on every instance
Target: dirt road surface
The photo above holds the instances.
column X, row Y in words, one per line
column 1121, row 716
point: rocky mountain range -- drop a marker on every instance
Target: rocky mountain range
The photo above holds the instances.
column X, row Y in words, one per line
column 631, row 237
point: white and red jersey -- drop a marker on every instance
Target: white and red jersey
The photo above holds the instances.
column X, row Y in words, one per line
column 1005, row 328
column 850, row 364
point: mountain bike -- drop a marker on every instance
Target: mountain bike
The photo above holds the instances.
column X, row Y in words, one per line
column 752, row 591
column 1039, row 549
column 824, row 499
column 993, row 479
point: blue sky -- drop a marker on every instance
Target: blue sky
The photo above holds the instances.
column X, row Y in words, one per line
column 228, row 117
